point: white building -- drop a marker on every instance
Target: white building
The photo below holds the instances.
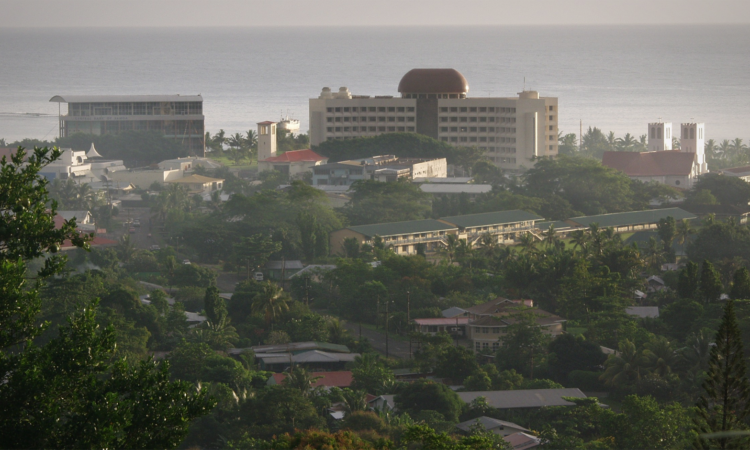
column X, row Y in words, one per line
column 292, row 163
column 82, row 166
column 385, row 168
column 434, row 102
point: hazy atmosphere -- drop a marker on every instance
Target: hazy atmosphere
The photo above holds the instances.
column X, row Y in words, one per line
column 375, row 225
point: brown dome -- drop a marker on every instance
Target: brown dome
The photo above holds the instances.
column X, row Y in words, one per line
column 433, row 81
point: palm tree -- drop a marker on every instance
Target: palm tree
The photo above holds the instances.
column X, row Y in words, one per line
column 654, row 252
column 271, row 301
column 450, row 247
column 336, row 331
column 550, row 236
column 301, row 379
column 710, row 149
column 642, row 144
column 738, row 150
column 626, row 144
column 219, row 335
column 251, row 139
column 488, row 245
column 683, row 231
column 611, row 140
column 725, row 149
column 354, row 400
column 624, row 366
column 126, row 248
column 527, row 243
column 581, row 240
column 660, row 356
column 219, row 140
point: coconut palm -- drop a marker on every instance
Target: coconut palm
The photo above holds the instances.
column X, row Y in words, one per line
column 725, row 149
column 581, row 240
column 488, row 245
column 710, row 149
column 337, row 333
column 450, row 246
column 125, row 248
column 527, row 243
column 219, row 335
column 642, row 144
column 738, row 151
column 251, row 138
column 611, row 140
column 550, row 237
column 300, row 379
column 623, row 367
column 271, row 301
column 626, row 144
column 660, row 356
column 683, row 231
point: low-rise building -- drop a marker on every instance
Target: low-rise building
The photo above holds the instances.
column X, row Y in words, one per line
column 402, row 236
column 471, row 191
column 524, row 398
column 670, row 167
column 144, row 178
column 455, row 326
column 199, row 184
column 489, row 321
column 385, row 168
column 631, row 221
column 742, row 172
column 293, row 163
column 84, row 219
column 505, row 226
column 496, row 426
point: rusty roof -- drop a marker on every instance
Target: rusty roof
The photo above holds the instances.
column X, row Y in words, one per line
column 651, row 164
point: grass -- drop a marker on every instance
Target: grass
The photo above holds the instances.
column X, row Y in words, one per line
column 230, row 163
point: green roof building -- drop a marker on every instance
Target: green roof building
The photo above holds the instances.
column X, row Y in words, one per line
column 633, row 220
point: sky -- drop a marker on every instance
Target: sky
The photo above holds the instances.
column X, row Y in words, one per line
column 295, row 13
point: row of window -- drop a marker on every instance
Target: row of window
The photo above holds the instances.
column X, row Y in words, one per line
column 479, row 346
column 369, row 129
column 478, row 109
column 476, row 139
column 477, row 130
column 135, row 109
column 370, row 109
column 371, row 119
column 478, row 119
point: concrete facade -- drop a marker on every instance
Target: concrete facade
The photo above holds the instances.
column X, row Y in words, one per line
column 512, row 130
column 659, row 136
column 384, row 168
column 143, row 179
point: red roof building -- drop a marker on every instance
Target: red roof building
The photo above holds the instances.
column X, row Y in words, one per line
column 291, row 156
column 97, row 241
column 671, row 167
column 292, row 163
column 340, row 379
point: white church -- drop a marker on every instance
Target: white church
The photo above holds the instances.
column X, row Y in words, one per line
column 679, row 168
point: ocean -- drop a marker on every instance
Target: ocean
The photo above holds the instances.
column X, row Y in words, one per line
column 617, row 78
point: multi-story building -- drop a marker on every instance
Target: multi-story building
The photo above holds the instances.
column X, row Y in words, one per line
column 179, row 117
column 434, row 102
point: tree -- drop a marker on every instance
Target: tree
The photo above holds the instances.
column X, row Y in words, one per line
column 72, row 391
column 688, row 281
column 524, row 344
column 351, row 247
column 725, row 403
column 215, row 307
column 370, row 374
column 307, row 226
column 425, row 394
column 727, row 190
column 455, row 363
column 667, row 230
column 270, row 301
column 569, row 353
column 376, row 202
column 277, row 409
column 255, row 250
column 623, row 367
column 741, row 285
column 300, row 379
column 710, row 283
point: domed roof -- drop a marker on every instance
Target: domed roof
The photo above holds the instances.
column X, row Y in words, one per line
column 433, row 81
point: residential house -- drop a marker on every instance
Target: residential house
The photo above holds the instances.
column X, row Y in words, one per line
column 489, row 321
column 496, row 426
column 339, row 379
column 643, row 312
column 199, row 184
column 276, row 270
column 455, row 326
column 293, row 163
column 524, row 398
column 84, row 219
column 742, row 172
column 522, row 441
column 313, row 360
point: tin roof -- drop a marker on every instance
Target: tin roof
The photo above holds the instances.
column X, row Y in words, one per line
column 650, row 164
column 524, row 398
column 489, row 424
column 443, row 321
column 398, row 228
column 633, row 217
column 297, row 156
column 455, row 188
column 490, row 218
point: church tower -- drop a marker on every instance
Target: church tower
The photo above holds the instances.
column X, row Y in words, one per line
column 692, row 140
column 659, row 136
column 266, row 140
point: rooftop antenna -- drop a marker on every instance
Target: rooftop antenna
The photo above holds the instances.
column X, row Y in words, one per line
column 524, row 83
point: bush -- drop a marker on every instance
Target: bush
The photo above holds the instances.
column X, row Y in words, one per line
column 191, row 297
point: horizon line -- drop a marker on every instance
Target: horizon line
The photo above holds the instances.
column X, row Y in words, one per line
column 554, row 24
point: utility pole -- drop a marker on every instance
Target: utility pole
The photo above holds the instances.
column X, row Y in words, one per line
column 386, row 329
column 408, row 319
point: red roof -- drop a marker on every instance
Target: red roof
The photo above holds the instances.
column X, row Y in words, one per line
column 67, row 244
column 330, row 379
column 650, row 164
column 297, row 156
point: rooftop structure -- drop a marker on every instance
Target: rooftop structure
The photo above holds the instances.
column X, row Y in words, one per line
column 340, row 379
column 524, row 398
column 292, row 163
column 633, row 220
column 434, row 102
column 199, row 183
column 386, row 168
column 297, row 347
column 471, row 190
column 179, row 117
column 496, row 426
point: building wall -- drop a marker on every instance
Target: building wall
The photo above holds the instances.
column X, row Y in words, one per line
column 483, row 338
column 337, row 240
column 291, row 169
column 435, row 168
column 659, row 136
column 145, row 178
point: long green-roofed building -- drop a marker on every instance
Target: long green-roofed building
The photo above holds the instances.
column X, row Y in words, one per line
column 633, row 220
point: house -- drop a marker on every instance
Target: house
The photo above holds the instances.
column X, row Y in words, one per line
column 632, row 221
column 488, row 322
column 522, row 441
column 340, row 379
column 84, row 219
column 671, row 167
column 453, row 311
column 655, row 284
column 145, row 177
column 199, row 184
column 313, row 360
column 496, row 426
column 385, row 168
column 275, row 270
column 298, row 347
column 524, row 398
column 455, row 326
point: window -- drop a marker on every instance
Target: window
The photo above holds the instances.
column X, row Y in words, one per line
column 391, row 109
column 372, row 109
column 551, row 127
column 391, row 129
column 410, row 109
column 381, row 118
column 329, row 129
column 338, row 119
column 495, row 330
column 338, row 129
column 551, row 108
column 491, row 129
column 347, row 119
column 473, row 129
column 346, row 128
column 454, row 129
column 491, row 109
column 329, row 109
column 381, row 128
column 346, row 109
column 454, row 139
column 482, row 139
column 482, row 129
column 492, row 119
column 354, row 109
column 454, row 109
column 463, row 119
column 473, row 109
column 400, row 109
column 410, row 129
column 463, row 138
column 381, row 108
column 410, row 119
column 392, row 119
column 495, row 346
column 473, row 139
column 338, row 109
column 472, row 119
column 454, row 119
column 329, row 119
column 443, row 119
column 462, row 109
column 551, row 118
column 401, row 129
column 443, row 129
column 477, row 346
column 372, row 129
column 401, row 119
column 483, row 109
column 485, row 345
column 551, row 147
column 483, row 119
column 677, row 182
column 372, row 119
column 443, row 109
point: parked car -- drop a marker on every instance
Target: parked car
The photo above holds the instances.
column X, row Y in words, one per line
column 131, row 231
column 258, row 276
column 155, row 247
column 186, row 261
column 137, row 223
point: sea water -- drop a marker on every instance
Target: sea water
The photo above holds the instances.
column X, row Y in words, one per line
column 618, row 78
